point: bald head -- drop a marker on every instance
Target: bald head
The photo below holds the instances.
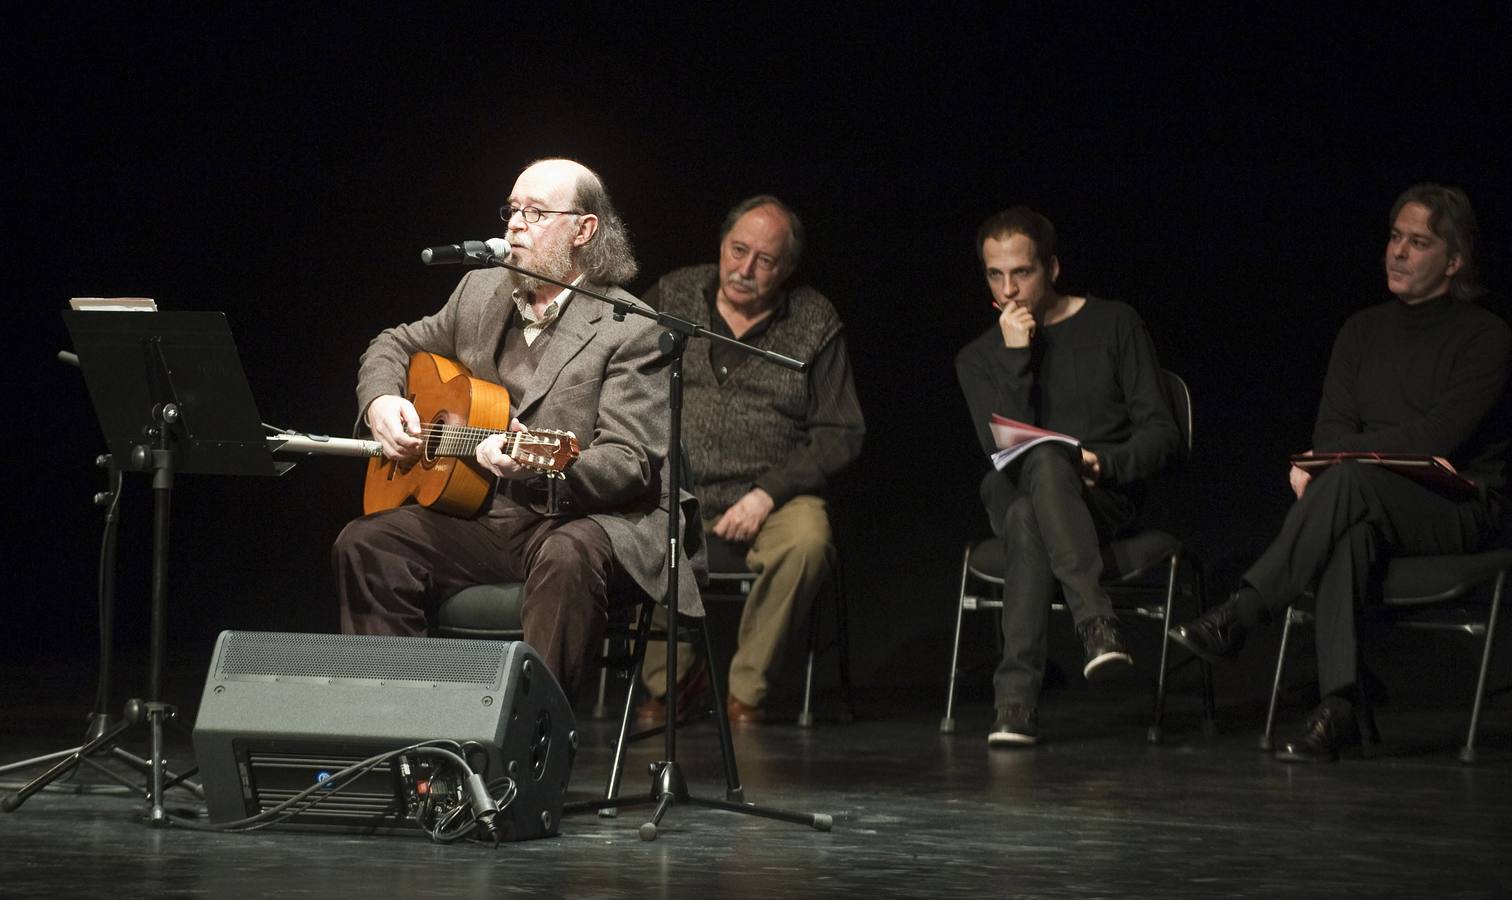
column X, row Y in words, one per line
column 551, row 183
column 587, row 227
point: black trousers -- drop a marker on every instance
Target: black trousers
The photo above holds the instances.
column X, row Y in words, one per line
column 1053, row 529
column 393, row 567
column 1340, row 535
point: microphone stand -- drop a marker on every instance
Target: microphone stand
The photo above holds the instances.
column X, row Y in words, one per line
column 668, row 785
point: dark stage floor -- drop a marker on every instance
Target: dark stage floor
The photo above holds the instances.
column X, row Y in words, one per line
column 1093, row 812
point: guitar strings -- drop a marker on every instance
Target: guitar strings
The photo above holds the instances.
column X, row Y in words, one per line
column 457, row 432
column 460, row 439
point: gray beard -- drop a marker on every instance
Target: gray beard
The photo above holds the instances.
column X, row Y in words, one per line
column 553, row 262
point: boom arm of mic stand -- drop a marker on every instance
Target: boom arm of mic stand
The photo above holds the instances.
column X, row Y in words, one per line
column 666, row 320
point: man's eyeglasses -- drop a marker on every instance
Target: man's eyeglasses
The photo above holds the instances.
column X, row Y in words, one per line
column 533, row 214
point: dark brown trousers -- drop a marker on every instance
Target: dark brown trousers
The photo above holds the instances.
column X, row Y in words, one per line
column 393, row 567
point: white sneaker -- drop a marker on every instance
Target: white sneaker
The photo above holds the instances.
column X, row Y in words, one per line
column 1017, row 725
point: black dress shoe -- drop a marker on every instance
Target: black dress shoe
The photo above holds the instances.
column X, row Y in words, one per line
column 1332, row 728
column 1216, row 636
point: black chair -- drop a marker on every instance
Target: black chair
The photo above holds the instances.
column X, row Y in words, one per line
column 730, row 579
column 1143, row 573
column 492, row 612
column 1442, row 593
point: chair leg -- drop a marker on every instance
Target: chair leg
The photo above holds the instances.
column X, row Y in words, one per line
column 1153, row 735
column 1267, row 737
column 1204, row 668
column 806, row 715
column 1467, row 752
column 638, row 655
column 601, row 706
column 947, row 724
column 842, row 643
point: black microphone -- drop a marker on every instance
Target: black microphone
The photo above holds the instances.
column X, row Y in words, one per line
column 479, row 253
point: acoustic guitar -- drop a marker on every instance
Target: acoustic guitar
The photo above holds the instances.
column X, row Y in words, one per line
column 457, row 412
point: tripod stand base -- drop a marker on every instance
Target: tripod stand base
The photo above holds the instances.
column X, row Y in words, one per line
column 103, row 742
column 669, row 787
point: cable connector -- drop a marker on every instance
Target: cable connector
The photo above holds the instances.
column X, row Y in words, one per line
column 483, row 805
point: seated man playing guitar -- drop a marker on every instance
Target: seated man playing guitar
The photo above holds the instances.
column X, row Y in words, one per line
column 569, row 367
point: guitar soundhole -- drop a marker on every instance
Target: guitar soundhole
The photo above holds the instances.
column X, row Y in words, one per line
column 434, row 435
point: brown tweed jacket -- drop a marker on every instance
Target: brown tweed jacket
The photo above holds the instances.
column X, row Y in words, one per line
column 604, row 380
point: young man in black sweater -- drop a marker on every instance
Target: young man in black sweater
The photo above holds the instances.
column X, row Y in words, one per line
column 1423, row 373
column 1081, row 366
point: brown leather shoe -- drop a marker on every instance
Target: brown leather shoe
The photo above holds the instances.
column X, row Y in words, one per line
column 741, row 714
column 694, row 690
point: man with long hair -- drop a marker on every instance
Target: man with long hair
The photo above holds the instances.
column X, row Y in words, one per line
column 567, row 365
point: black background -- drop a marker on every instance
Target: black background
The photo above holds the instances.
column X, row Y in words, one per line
column 1226, row 170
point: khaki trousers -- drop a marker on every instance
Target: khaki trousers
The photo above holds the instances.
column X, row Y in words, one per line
column 791, row 556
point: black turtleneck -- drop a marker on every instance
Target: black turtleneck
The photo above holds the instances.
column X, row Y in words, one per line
column 1420, row 378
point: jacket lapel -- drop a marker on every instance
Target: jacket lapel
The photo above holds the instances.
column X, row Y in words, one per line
column 493, row 318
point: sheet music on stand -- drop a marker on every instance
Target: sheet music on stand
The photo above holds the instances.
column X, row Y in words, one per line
column 113, row 304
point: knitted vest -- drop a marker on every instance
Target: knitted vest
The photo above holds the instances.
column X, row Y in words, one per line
column 737, row 430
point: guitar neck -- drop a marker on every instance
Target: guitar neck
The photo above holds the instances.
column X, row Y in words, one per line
column 463, row 440
column 548, row 452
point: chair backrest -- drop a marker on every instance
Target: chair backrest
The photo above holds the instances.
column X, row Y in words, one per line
column 1179, row 400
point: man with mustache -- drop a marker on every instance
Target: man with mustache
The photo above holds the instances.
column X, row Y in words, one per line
column 762, row 440
column 1085, row 367
column 1423, row 373
column 568, row 365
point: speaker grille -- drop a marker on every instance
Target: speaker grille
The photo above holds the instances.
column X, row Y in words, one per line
column 272, row 654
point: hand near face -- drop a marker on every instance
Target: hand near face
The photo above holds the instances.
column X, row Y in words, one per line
column 1017, row 324
column 741, row 521
column 1091, row 468
column 491, row 456
column 396, row 424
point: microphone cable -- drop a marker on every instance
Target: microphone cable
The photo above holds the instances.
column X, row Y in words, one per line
column 470, row 811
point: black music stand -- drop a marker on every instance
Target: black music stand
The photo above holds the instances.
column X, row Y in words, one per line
column 170, row 395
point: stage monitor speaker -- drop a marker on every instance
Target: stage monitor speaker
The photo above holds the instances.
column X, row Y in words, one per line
column 281, row 712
